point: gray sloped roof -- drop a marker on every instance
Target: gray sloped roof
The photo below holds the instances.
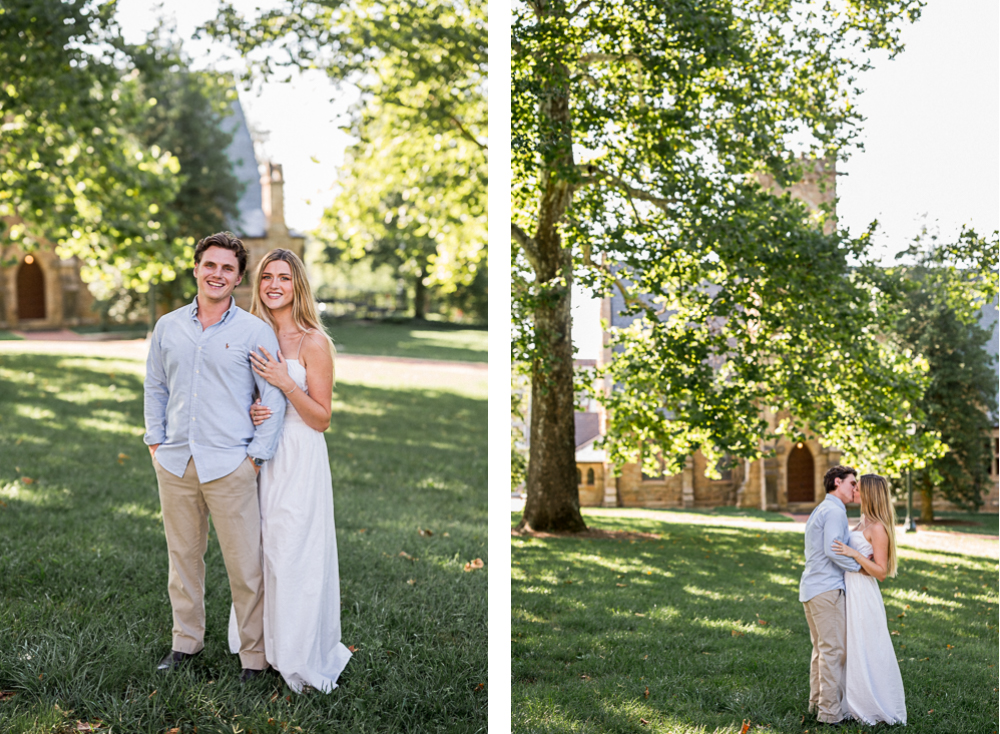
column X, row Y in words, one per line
column 252, row 222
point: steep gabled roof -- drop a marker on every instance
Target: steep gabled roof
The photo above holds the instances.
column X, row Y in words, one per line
column 252, row 222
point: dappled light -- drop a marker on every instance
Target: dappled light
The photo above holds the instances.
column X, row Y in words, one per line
column 701, row 629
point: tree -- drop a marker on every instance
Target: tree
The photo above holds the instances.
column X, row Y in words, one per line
column 422, row 72
column 946, row 288
column 414, row 201
column 187, row 115
column 73, row 171
column 641, row 135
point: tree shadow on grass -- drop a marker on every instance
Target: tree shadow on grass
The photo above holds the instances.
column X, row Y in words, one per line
column 708, row 620
column 83, row 563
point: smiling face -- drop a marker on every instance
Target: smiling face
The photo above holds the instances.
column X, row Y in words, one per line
column 217, row 274
column 276, row 287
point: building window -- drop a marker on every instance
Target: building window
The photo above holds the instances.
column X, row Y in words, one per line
column 579, row 476
column 996, row 456
column 590, row 477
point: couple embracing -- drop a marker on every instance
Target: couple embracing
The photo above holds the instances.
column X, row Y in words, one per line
column 260, row 470
column 853, row 672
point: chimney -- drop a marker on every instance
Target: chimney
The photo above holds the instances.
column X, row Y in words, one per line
column 272, row 194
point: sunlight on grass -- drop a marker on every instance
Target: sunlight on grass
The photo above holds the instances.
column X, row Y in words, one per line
column 85, row 612
column 715, row 635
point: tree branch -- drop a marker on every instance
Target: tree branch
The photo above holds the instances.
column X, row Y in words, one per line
column 588, row 59
column 597, row 175
column 527, row 244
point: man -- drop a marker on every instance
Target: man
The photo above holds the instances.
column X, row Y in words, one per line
column 206, row 452
column 821, row 592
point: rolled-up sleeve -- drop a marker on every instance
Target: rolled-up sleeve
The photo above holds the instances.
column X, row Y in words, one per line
column 834, row 531
column 155, row 394
column 266, row 435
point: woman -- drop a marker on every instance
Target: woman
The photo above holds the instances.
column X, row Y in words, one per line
column 873, row 688
column 301, row 578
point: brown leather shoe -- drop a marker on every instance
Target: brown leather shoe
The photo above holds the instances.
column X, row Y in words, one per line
column 175, row 660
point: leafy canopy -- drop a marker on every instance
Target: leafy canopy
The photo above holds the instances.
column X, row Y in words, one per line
column 73, row 170
column 661, row 141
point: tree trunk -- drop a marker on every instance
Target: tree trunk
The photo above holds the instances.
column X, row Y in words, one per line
column 553, row 502
column 927, row 500
column 420, row 296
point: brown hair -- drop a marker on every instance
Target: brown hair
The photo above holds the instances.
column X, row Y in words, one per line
column 227, row 241
column 837, row 472
column 303, row 306
column 876, row 504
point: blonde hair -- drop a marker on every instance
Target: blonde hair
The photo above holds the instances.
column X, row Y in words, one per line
column 304, row 312
column 876, row 504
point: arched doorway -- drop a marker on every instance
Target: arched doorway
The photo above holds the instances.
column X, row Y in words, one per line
column 30, row 290
column 801, row 475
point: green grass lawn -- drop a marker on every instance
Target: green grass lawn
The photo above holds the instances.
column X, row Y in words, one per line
column 84, row 613
column 411, row 338
column 702, row 630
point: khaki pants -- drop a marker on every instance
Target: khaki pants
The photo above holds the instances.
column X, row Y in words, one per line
column 827, row 617
column 232, row 502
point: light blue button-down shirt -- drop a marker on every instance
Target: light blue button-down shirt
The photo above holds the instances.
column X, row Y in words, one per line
column 198, row 391
column 825, row 569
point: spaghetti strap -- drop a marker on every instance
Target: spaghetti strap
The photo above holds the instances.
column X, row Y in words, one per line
column 304, row 335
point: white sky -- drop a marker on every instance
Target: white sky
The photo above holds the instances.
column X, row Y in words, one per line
column 932, row 140
column 301, row 117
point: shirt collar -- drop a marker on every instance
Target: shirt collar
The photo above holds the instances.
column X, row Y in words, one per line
column 832, row 498
column 193, row 309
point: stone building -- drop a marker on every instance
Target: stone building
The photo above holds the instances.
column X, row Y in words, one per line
column 42, row 291
column 789, row 479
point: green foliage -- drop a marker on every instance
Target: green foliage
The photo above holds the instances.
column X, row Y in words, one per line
column 413, row 189
column 415, row 201
column 73, row 170
column 655, row 142
column 946, row 287
column 696, row 628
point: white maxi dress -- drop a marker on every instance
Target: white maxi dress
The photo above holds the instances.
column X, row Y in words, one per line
column 301, row 576
column 873, row 687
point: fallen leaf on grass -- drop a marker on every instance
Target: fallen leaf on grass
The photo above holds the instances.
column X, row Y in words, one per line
column 425, row 533
column 480, row 687
column 474, row 565
column 2, row 503
column 151, row 694
column 352, row 648
column 931, row 711
column 643, row 722
column 584, row 676
column 363, row 530
column 175, row 730
column 639, row 615
column 621, row 586
column 411, row 582
column 4, row 695
column 761, row 622
column 737, row 633
column 122, row 457
column 894, row 633
column 647, row 691
column 407, row 556
column 27, row 480
column 745, row 728
column 88, row 726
